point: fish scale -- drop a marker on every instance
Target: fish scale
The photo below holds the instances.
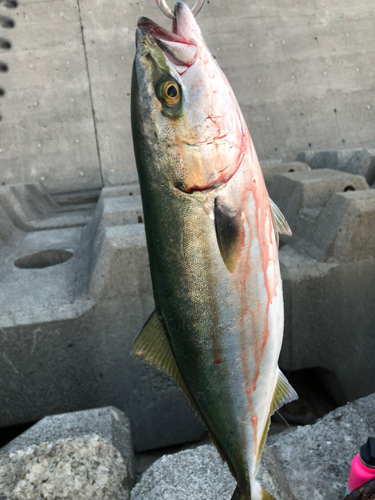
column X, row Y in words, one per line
column 212, row 238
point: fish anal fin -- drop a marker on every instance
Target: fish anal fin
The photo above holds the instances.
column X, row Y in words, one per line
column 284, row 393
column 228, row 227
column 279, row 222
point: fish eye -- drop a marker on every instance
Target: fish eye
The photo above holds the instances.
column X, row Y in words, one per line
column 170, row 92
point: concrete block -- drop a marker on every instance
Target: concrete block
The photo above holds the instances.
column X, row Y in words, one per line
column 30, row 207
column 306, row 463
column 328, row 272
column 301, row 195
column 345, row 227
column 272, row 168
column 353, row 161
column 329, row 322
column 70, row 313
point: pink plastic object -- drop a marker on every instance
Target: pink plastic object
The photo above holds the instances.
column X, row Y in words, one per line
column 359, row 474
column 363, row 466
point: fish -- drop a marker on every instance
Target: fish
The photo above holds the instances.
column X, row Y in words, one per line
column 212, row 237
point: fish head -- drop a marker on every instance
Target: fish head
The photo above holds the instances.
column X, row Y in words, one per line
column 183, row 107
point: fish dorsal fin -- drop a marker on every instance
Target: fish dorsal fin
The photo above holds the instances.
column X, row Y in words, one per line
column 153, row 347
column 284, row 393
column 279, row 222
column 228, row 226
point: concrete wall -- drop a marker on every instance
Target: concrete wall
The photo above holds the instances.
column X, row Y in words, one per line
column 303, row 73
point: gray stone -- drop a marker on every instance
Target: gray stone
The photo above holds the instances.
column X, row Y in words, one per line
column 197, row 474
column 81, row 468
column 200, row 474
column 316, row 459
column 353, row 161
column 109, row 423
column 66, row 330
column 307, row 463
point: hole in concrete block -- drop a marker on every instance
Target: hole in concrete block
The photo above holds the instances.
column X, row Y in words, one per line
column 291, row 170
column 45, row 258
column 349, row 188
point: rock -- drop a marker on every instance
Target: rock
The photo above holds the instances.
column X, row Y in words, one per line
column 109, row 423
column 83, row 468
column 197, row 474
column 308, row 463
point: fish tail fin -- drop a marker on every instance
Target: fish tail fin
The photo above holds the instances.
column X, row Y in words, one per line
column 257, row 493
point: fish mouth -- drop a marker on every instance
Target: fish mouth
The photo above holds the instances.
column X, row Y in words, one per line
column 177, row 45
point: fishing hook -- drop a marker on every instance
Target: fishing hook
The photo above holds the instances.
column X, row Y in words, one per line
column 163, row 6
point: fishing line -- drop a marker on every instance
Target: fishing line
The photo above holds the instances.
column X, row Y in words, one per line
column 282, row 418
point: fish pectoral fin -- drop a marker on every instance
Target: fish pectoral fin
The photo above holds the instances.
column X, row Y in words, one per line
column 228, row 227
column 153, row 347
column 279, row 222
column 284, row 393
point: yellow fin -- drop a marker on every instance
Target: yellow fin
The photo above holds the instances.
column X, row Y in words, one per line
column 284, row 393
column 279, row 222
column 153, row 347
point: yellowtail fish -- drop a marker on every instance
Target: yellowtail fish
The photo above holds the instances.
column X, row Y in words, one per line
column 212, row 237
